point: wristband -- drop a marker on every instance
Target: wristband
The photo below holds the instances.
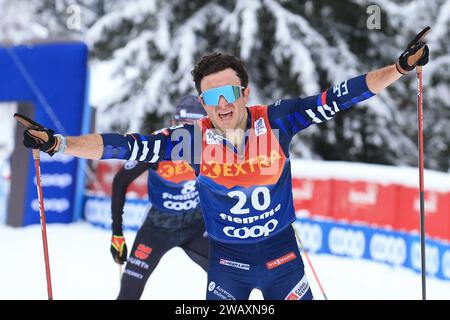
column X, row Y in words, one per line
column 62, row 143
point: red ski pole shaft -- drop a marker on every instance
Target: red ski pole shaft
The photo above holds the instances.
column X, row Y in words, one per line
column 37, row 166
column 421, row 180
column 310, row 263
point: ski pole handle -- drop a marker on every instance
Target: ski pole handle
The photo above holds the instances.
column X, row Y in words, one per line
column 36, row 154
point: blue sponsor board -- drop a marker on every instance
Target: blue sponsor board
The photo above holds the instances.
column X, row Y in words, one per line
column 386, row 246
column 51, row 77
column 97, row 211
column 360, row 242
column 58, row 189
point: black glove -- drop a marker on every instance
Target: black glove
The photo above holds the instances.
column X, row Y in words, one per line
column 40, row 138
column 36, row 136
column 119, row 248
column 411, row 58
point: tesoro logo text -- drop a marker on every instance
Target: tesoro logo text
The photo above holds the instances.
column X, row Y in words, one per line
column 214, row 169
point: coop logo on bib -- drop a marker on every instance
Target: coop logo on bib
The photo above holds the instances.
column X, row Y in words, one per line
column 253, row 232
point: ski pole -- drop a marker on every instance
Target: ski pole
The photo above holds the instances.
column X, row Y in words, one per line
column 120, row 272
column 309, row 262
column 29, row 123
column 42, row 219
column 421, row 180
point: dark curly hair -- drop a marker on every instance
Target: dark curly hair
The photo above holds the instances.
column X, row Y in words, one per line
column 216, row 62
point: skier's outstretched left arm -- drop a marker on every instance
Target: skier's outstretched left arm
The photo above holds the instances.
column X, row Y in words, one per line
column 293, row 115
column 165, row 144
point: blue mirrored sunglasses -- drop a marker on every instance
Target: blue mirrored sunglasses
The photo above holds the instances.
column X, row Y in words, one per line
column 212, row 96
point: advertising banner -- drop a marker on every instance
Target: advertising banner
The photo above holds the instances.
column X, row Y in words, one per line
column 437, row 212
column 364, row 202
column 359, row 242
column 49, row 82
column 306, row 193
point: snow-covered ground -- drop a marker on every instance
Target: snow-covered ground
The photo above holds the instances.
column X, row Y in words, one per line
column 82, row 268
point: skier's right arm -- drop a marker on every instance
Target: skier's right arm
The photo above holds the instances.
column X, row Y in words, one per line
column 165, row 144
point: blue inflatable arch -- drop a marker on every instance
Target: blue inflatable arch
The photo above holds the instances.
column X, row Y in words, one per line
column 49, row 82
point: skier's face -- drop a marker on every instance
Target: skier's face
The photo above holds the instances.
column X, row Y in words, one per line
column 226, row 115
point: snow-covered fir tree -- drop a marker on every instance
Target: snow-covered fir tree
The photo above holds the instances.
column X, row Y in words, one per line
column 142, row 52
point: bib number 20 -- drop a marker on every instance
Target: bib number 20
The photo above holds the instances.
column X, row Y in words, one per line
column 260, row 200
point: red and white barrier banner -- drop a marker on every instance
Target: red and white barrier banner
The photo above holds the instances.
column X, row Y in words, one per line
column 437, row 212
column 306, row 194
column 372, row 195
column 364, row 202
column 105, row 172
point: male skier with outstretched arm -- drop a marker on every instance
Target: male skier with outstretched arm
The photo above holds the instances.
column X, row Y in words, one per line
column 240, row 156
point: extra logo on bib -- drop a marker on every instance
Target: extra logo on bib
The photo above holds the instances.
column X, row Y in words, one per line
column 175, row 171
column 261, row 163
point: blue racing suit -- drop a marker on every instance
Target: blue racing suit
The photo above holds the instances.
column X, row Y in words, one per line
column 246, row 198
column 174, row 220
